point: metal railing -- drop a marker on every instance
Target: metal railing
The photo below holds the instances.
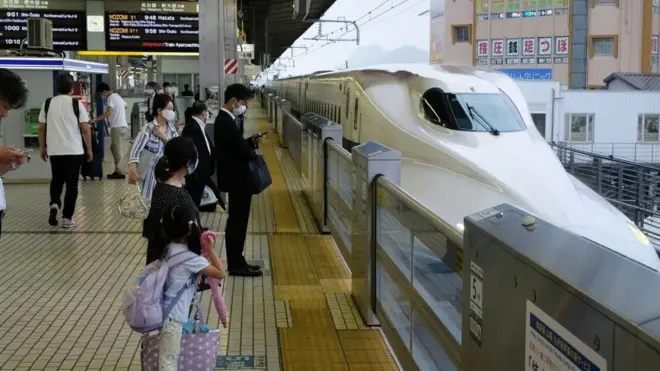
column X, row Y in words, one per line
column 646, row 153
column 418, row 281
column 631, row 187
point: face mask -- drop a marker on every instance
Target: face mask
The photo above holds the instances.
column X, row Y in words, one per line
column 168, row 90
column 149, row 91
column 239, row 110
column 191, row 169
column 168, row 114
column 159, row 91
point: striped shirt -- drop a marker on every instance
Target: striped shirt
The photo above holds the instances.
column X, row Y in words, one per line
column 149, row 148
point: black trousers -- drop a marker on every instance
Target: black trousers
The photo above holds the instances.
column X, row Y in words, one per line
column 236, row 230
column 66, row 171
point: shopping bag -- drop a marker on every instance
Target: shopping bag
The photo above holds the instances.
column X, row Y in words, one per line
column 132, row 205
column 259, row 175
column 198, row 350
column 214, row 284
column 208, row 197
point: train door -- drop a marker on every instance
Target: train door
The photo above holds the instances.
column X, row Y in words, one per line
column 354, row 117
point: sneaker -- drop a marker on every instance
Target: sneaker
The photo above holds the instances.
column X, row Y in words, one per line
column 68, row 223
column 52, row 218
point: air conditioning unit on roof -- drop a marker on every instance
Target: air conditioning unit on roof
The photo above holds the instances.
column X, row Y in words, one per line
column 40, row 34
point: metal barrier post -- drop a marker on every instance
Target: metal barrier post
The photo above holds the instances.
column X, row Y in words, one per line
column 270, row 106
column 286, row 112
column 527, row 307
column 316, row 131
column 370, row 160
column 283, row 106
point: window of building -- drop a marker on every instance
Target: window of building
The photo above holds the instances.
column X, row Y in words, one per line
column 647, row 128
column 580, row 127
column 461, row 33
column 604, row 45
column 539, row 122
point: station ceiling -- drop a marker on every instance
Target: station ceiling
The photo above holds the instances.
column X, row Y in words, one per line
column 276, row 17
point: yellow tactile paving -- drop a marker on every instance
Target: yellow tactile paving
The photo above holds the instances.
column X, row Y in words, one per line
column 312, row 285
column 290, row 251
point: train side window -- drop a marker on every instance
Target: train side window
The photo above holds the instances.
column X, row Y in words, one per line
column 355, row 116
column 348, row 102
column 433, row 107
column 339, row 115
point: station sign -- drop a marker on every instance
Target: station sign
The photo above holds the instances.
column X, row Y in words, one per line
column 68, row 17
column 245, row 51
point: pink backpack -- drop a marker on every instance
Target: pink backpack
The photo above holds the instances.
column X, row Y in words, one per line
column 209, row 237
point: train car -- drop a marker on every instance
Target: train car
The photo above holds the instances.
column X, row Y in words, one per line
column 468, row 143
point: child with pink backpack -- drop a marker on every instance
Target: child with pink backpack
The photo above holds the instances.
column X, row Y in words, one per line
column 162, row 297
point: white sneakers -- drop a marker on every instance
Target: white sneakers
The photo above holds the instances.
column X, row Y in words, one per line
column 52, row 218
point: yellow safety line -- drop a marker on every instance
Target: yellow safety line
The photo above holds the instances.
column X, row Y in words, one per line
column 286, row 219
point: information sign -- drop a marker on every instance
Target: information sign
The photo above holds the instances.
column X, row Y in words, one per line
column 551, row 347
column 155, row 31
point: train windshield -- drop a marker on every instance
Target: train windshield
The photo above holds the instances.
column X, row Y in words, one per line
column 472, row 111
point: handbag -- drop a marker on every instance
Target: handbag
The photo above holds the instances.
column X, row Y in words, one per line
column 259, row 175
column 131, row 205
column 198, row 349
column 208, row 197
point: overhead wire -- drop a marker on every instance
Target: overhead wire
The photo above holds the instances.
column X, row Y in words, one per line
column 351, row 28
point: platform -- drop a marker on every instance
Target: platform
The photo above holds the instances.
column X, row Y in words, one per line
column 60, row 290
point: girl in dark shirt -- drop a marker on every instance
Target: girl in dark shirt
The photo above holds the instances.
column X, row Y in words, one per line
column 179, row 159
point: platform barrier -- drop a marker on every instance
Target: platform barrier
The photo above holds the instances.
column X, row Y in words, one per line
column 508, row 293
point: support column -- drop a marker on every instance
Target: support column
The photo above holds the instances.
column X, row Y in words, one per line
column 125, row 73
column 111, row 80
column 150, row 70
column 211, row 46
column 159, row 70
column 369, row 160
column 231, row 37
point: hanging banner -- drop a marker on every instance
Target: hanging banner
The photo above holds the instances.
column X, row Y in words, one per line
column 437, row 31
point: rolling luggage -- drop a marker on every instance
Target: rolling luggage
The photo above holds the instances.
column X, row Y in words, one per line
column 93, row 169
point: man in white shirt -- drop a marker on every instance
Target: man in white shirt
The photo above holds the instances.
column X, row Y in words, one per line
column 115, row 113
column 151, row 89
column 64, row 137
column 13, row 95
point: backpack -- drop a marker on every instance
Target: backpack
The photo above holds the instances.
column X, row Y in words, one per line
column 143, row 303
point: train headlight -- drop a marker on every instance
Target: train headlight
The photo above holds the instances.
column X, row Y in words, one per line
column 639, row 234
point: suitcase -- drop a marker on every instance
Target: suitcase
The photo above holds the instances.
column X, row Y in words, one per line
column 93, row 169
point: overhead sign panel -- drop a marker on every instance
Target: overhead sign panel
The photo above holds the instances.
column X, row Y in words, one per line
column 68, row 17
column 152, row 27
column 245, row 51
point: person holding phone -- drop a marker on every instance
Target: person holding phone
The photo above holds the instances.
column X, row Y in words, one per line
column 233, row 156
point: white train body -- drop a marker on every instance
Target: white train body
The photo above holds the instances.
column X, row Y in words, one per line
column 456, row 172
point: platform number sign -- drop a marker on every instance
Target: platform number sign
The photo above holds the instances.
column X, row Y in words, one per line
column 476, row 302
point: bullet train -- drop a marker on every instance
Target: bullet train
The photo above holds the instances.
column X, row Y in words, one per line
column 468, row 143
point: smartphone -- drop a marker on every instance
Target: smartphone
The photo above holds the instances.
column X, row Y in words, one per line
column 261, row 135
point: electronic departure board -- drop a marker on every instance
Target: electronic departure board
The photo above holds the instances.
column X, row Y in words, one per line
column 69, row 28
column 152, row 32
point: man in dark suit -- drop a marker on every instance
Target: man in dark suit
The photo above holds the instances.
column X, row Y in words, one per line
column 233, row 156
column 196, row 117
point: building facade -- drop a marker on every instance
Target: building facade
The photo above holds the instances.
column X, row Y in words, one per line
column 576, row 42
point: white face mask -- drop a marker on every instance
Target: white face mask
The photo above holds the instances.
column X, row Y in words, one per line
column 239, row 110
column 149, row 91
column 160, row 91
column 168, row 114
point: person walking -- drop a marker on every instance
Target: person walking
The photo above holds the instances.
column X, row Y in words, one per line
column 64, row 137
column 115, row 114
column 234, row 154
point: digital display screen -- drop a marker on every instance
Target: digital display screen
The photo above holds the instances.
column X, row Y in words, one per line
column 152, row 32
column 69, row 28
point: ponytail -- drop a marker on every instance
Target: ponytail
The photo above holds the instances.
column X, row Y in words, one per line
column 180, row 223
column 162, row 170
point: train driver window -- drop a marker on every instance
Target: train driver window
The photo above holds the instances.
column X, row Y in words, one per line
column 434, row 108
